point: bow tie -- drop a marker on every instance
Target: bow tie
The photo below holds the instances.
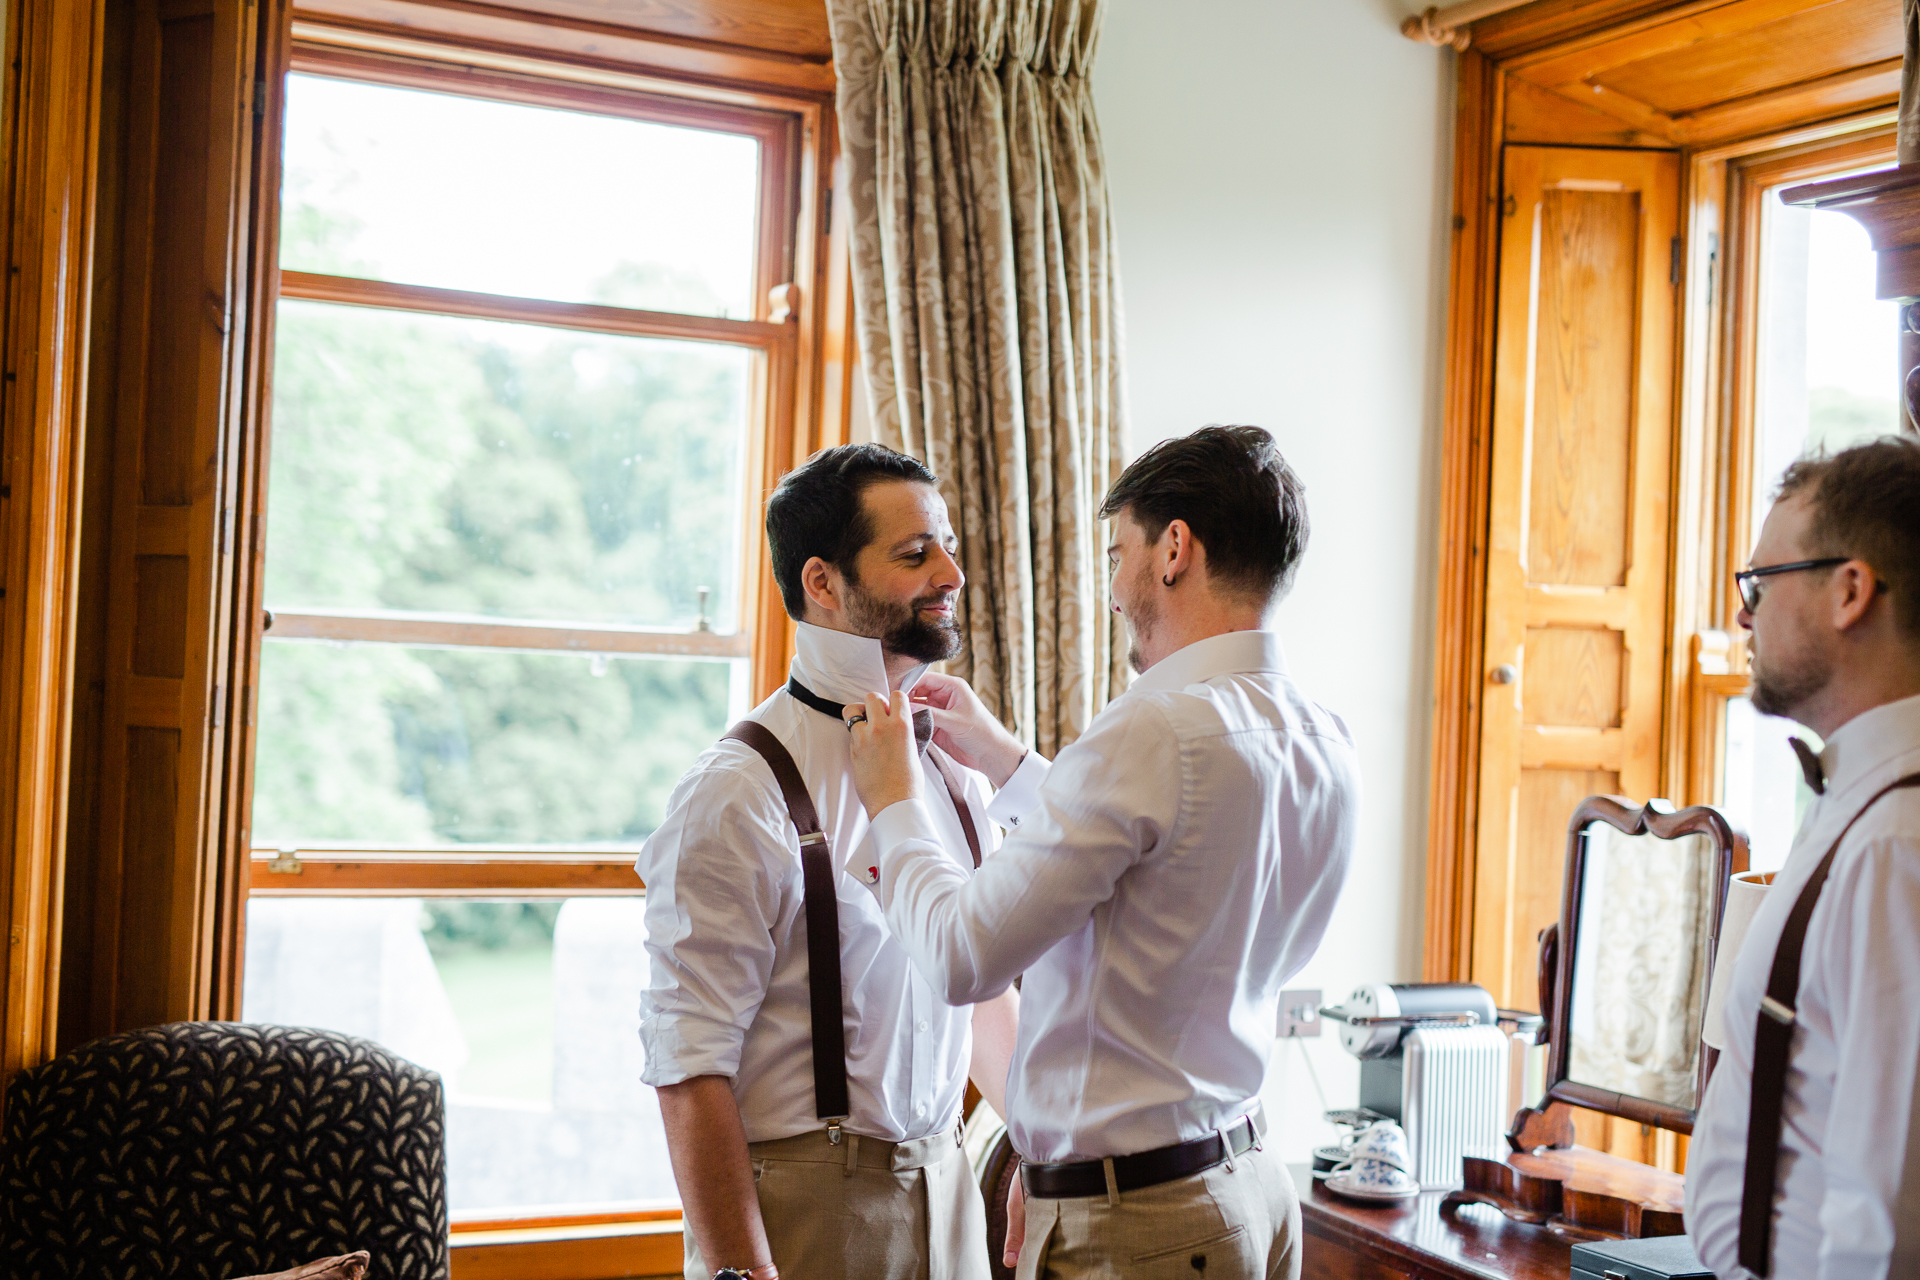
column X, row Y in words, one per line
column 1810, row 765
column 922, row 719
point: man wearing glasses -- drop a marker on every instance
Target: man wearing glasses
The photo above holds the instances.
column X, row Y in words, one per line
column 1806, row 1150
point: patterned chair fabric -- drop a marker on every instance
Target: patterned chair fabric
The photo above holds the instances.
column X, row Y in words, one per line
column 218, row 1149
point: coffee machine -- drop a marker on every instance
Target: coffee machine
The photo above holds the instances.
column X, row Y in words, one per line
column 1435, row 1058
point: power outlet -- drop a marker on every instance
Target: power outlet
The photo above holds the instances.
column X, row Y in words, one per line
column 1299, row 1013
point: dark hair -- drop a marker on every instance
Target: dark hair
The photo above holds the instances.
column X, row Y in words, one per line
column 816, row 510
column 1866, row 506
column 1238, row 495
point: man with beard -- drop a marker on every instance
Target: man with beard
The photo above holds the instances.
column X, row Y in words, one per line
column 1179, row 863
column 1806, row 1150
column 810, row 1081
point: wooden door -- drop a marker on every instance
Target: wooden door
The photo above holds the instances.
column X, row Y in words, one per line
column 1577, row 525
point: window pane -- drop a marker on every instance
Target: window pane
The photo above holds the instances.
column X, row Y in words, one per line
column 528, row 1010
column 1829, row 369
column 437, row 189
column 471, row 466
column 1762, row 790
column 379, row 744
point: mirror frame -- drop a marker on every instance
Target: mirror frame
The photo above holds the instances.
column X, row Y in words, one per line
column 1551, row 1126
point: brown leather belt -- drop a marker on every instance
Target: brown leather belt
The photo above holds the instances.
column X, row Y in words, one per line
column 1078, row 1179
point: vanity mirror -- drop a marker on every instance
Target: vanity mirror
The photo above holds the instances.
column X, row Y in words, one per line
column 1624, row 977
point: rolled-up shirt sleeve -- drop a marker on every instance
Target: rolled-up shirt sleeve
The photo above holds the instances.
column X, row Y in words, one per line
column 971, row 935
column 714, row 872
column 1870, row 1217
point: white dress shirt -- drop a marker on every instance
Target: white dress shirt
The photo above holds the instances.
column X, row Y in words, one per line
column 727, row 937
column 1848, row 1197
column 1180, row 865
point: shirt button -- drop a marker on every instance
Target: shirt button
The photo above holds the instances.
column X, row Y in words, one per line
column 920, row 1110
column 924, row 1025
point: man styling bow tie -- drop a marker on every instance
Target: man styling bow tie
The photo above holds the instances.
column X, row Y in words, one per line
column 810, row 1080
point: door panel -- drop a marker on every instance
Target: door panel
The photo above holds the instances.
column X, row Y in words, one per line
column 1578, row 526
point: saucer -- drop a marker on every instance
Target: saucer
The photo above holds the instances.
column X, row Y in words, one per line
column 1343, row 1182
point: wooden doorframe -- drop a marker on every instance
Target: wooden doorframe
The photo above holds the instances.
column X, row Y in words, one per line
column 1496, row 104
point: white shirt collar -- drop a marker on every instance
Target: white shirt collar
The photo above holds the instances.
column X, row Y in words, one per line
column 846, row 667
column 1870, row 739
column 1230, row 653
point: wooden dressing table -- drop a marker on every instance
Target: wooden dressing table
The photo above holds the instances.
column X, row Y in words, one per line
column 1346, row 1240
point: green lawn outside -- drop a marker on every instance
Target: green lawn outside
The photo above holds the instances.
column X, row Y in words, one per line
column 504, row 1000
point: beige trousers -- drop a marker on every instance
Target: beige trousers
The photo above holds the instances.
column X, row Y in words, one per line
column 1238, row 1223
column 867, row 1209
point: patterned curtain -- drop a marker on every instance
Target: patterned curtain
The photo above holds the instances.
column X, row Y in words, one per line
column 988, row 302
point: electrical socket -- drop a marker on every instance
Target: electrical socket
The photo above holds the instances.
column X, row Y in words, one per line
column 1299, row 1013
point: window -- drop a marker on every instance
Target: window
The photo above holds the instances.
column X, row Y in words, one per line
column 1822, row 375
column 524, row 389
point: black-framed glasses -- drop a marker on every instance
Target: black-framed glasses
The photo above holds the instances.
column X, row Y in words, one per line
column 1751, row 588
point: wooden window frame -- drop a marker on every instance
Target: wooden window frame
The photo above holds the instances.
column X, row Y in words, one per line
column 789, row 133
column 1730, row 187
column 802, row 333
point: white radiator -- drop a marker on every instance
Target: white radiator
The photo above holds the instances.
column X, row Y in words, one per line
column 1454, row 1098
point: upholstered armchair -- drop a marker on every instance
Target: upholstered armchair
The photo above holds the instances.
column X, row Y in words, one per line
column 214, row 1150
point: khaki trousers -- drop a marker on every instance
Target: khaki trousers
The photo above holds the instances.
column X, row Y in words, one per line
column 1238, row 1223
column 867, row 1209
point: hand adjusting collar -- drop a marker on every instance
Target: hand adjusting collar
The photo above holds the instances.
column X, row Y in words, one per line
column 922, row 719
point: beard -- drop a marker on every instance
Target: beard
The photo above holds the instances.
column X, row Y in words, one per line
column 1783, row 684
column 899, row 627
column 1143, row 617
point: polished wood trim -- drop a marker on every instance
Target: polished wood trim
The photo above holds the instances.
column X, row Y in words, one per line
column 1715, row 673
column 609, row 1252
column 552, row 21
column 1547, row 28
column 247, row 536
column 172, row 318
column 54, row 47
column 440, row 873
column 1841, row 91
column 349, row 291
column 450, row 631
column 488, row 34
column 635, row 1214
column 766, row 123
column 1465, row 473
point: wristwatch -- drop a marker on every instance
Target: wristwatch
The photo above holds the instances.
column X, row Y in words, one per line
column 765, row 1271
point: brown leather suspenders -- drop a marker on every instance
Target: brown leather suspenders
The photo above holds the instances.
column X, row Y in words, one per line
column 818, row 873
column 1772, row 1046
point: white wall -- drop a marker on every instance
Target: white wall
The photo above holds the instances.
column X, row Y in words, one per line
column 1279, row 172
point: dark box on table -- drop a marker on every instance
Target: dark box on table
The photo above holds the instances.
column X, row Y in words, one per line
column 1654, row 1258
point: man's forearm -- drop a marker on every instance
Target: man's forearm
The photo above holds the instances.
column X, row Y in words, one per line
column 708, row 1146
column 996, row 1024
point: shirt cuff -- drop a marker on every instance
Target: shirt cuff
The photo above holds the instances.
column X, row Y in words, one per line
column 1021, row 794
column 899, row 823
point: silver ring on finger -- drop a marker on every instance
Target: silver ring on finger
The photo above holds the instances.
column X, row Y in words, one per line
column 855, row 719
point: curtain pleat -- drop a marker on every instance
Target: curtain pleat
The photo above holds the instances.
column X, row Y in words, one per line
column 988, row 310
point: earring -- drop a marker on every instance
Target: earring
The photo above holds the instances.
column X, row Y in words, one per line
column 1167, row 581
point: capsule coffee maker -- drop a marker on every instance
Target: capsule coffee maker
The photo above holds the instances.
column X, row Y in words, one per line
column 1434, row 1058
